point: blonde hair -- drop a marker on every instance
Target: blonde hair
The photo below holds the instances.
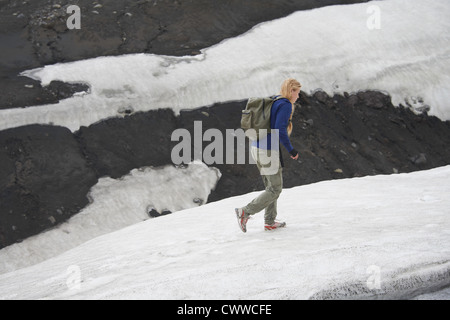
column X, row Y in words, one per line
column 287, row 87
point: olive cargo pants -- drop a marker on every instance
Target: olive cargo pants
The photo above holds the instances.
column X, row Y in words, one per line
column 268, row 163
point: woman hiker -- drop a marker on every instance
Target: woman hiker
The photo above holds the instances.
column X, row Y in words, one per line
column 267, row 155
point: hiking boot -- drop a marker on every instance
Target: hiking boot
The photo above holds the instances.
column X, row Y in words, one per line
column 275, row 225
column 242, row 219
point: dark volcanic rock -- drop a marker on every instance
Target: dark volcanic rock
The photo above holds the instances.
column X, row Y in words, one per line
column 44, row 180
column 31, row 92
column 116, row 146
column 364, row 134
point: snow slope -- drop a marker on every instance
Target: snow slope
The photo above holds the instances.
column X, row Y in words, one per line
column 373, row 237
column 117, row 204
column 397, row 46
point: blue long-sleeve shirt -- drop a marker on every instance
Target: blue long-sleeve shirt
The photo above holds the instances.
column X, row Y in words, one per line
column 279, row 119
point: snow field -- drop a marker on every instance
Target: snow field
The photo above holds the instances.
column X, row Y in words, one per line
column 372, row 237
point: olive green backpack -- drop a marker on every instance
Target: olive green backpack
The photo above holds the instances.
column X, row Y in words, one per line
column 255, row 119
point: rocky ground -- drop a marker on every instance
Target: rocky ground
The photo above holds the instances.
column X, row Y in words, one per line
column 47, row 171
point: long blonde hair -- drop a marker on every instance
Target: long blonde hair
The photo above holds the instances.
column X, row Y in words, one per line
column 287, row 87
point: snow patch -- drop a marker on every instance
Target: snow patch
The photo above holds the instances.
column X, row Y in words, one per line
column 115, row 204
column 355, row 238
